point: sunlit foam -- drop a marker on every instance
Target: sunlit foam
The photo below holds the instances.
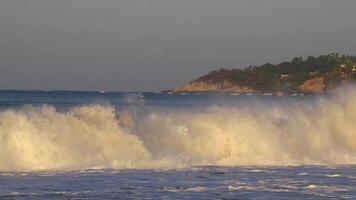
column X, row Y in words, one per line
column 320, row 131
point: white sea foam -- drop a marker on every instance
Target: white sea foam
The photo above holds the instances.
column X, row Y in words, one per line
column 196, row 189
column 321, row 131
column 328, row 188
column 231, row 187
column 302, row 174
column 333, row 175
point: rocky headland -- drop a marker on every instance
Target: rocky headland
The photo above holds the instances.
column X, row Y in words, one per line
column 303, row 76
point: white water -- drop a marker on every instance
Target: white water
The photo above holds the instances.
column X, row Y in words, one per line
column 322, row 131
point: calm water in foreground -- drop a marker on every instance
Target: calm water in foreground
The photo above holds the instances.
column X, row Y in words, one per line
column 40, row 160
column 308, row 182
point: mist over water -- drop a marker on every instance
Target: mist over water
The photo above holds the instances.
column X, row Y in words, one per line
column 317, row 131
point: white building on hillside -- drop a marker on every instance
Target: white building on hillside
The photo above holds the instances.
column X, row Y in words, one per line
column 353, row 68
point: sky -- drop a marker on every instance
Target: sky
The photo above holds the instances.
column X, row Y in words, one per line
column 152, row 45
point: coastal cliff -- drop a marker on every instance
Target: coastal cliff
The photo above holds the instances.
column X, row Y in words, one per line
column 314, row 85
column 225, row 86
column 305, row 76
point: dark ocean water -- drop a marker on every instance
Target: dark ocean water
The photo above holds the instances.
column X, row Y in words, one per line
column 304, row 172
column 124, row 99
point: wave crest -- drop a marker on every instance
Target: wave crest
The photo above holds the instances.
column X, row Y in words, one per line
column 319, row 131
column 85, row 137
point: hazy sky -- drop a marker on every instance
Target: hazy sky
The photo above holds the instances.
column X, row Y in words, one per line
column 152, row 45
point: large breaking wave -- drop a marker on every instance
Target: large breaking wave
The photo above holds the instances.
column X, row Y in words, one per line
column 321, row 131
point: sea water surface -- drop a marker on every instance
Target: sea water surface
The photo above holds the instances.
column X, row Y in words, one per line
column 132, row 145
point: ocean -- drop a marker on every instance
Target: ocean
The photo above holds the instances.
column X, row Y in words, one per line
column 145, row 145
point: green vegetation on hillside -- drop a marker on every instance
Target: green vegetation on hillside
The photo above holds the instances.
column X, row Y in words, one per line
column 287, row 76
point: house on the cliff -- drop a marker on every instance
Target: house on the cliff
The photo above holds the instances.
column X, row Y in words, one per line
column 344, row 72
column 353, row 68
column 284, row 76
column 314, row 73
